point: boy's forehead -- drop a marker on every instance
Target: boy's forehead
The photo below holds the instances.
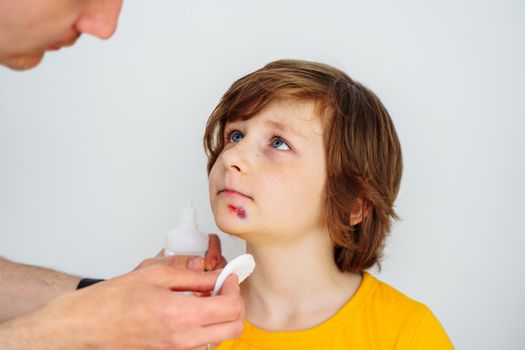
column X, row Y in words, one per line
column 300, row 117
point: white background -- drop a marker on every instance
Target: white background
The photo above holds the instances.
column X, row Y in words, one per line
column 101, row 145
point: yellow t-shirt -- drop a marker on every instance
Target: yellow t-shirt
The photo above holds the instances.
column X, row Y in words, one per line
column 376, row 317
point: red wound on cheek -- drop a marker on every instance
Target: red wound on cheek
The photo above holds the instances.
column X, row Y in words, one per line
column 240, row 211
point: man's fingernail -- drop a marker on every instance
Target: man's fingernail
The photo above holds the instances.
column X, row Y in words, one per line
column 195, row 263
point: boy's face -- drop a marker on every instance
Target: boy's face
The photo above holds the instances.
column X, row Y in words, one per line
column 268, row 182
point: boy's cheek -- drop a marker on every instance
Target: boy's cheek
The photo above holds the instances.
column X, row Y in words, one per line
column 213, row 182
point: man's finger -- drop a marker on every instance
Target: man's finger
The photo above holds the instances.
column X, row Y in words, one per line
column 178, row 279
column 205, row 311
column 195, row 263
column 230, row 285
column 214, row 253
column 217, row 309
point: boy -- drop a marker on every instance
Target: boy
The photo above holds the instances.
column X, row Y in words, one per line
column 304, row 164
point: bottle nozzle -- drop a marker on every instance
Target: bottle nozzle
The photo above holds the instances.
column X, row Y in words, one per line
column 186, row 239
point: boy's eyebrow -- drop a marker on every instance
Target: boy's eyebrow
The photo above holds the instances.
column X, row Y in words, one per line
column 283, row 127
column 273, row 124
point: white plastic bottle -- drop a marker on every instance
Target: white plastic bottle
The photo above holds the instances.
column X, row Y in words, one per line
column 186, row 239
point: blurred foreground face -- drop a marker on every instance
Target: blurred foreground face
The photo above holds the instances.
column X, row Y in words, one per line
column 29, row 28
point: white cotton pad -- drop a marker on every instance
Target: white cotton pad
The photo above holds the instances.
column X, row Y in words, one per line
column 242, row 266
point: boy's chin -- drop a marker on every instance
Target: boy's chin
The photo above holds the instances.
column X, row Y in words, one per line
column 235, row 234
column 233, row 229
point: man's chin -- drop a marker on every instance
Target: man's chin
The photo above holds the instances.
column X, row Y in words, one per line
column 23, row 62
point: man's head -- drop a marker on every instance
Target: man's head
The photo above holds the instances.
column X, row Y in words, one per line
column 360, row 171
column 29, row 28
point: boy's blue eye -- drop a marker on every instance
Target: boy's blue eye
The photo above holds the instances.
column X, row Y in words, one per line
column 278, row 143
column 236, row 136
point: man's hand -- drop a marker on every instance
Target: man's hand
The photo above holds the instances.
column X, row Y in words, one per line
column 25, row 288
column 139, row 310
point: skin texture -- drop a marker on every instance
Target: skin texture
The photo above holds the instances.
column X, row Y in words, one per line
column 269, row 182
column 24, row 288
column 29, row 28
column 135, row 311
column 103, row 316
column 281, row 186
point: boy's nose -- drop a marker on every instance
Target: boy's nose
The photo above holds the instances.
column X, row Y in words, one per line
column 236, row 158
column 99, row 18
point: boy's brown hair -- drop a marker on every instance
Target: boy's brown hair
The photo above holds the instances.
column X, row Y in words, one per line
column 364, row 162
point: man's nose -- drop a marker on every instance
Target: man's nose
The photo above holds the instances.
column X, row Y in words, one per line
column 99, row 18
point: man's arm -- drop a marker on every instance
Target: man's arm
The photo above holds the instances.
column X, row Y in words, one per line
column 138, row 310
column 24, row 288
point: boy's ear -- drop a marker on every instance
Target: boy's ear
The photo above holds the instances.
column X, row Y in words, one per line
column 360, row 211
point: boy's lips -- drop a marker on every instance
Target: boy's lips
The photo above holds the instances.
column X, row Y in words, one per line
column 234, row 193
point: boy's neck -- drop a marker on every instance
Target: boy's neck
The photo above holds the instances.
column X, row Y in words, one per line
column 296, row 285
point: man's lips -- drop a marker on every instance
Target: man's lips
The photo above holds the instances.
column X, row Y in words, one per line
column 64, row 43
column 234, row 193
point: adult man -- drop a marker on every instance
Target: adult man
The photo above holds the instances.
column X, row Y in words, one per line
column 39, row 308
